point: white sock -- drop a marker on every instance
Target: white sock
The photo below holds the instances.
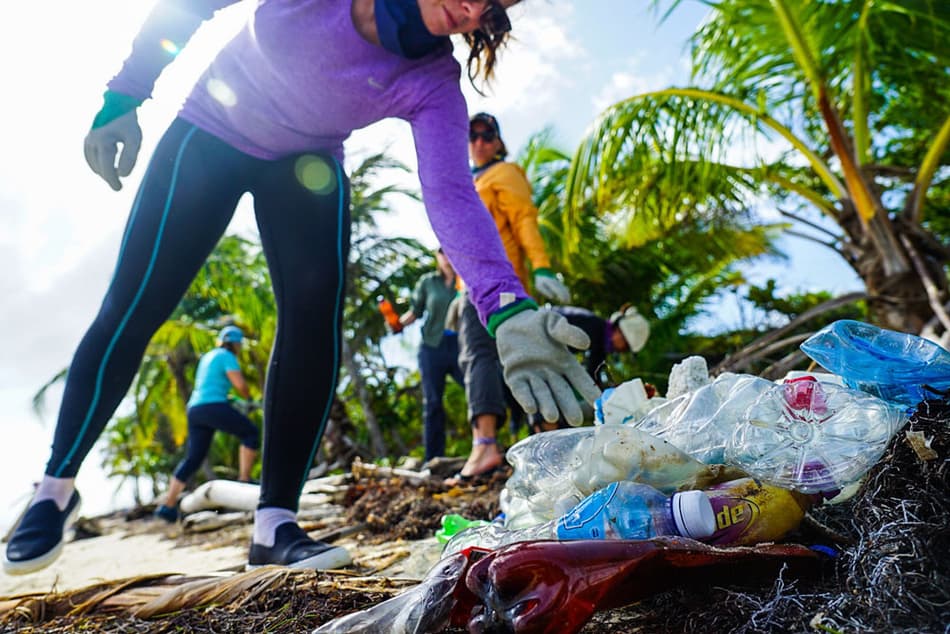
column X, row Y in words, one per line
column 57, row 489
column 266, row 521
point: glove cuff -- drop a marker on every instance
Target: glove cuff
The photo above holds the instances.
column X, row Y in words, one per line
column 499, row 316
column 114, row 105
column 545, row 272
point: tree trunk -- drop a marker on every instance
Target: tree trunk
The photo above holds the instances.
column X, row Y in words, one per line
column 372, row 424
column 897, row 294
column 177, row 367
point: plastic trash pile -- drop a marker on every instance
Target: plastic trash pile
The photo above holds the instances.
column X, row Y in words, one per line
column 670, row 487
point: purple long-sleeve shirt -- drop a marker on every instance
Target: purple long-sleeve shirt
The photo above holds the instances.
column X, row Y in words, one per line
column 298, row 77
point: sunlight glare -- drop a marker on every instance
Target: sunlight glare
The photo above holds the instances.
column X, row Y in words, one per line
column 170, row 47
column 221, row 92
column 314, row 174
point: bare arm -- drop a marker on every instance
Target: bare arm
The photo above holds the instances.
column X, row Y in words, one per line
column 240, row 385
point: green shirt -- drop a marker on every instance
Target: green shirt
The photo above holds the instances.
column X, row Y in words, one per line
column 432, row 298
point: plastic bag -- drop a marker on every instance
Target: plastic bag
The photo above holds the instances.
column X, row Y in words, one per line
column 893, row 366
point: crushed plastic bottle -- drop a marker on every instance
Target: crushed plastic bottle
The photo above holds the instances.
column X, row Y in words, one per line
column 555, row 587
column 891, row 365
column 802, row 435
column 811, row 437
column 555, row 470
column 701, row 422
column 621, row 510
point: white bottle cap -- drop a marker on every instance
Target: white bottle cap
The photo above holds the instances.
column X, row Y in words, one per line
column 693, row 514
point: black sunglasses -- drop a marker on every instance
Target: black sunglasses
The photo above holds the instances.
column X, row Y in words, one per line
column 486, row 135
column 494, row 20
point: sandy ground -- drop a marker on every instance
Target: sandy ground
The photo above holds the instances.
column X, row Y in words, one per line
column 154, row 549
column 120, row 555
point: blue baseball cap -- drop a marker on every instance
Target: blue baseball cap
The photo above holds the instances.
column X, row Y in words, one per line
column 231, row 334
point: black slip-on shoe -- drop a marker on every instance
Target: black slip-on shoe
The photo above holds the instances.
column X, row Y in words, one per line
column 38, row 538
column 167, row 513
column 292, row 547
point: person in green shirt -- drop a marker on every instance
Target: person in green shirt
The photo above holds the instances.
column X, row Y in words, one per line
column 439, row 352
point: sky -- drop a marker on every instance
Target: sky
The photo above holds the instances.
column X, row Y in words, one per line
column 62, row 225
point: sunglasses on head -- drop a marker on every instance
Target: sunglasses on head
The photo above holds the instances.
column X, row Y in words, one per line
column 485, row 135
column 494, row 19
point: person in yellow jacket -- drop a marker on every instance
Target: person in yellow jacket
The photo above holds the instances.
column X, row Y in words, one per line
column 506, row 192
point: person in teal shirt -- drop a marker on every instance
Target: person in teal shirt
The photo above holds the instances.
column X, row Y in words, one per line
column 210, row 410
column 439, row 352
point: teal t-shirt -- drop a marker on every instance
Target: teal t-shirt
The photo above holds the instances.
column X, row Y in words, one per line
column 432, row 298
column 211, row 378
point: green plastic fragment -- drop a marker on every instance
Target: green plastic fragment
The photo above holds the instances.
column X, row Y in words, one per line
column 453, row 524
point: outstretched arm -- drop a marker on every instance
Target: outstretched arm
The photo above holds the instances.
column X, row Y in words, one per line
column 165, row 32
column 532, row 344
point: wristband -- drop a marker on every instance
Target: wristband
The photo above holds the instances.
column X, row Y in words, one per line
column 114, row 105
column 499, row 316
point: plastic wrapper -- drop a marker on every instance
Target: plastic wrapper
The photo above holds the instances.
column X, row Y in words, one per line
column 893, row 366
column 424, row 608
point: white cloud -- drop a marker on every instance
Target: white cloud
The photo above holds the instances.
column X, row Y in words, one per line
column 638, row 75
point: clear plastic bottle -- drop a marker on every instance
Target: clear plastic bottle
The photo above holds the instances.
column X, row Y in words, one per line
column 621, row 510
column 811, row 437
column 555, row 470
column 700, row 422
column 630, row 510
column 891, row 365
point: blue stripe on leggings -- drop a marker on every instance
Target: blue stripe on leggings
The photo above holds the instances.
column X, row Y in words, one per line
column 336, row 324
column 135, row 300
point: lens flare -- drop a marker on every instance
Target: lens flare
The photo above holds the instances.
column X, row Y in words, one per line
column 222, row 93
column 170, row 47
column 315, row 174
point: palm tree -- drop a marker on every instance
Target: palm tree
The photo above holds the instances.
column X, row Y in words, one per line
column 854, row 91
column 669, row 277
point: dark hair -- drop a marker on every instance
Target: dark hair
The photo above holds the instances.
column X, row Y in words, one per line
column 480, row 43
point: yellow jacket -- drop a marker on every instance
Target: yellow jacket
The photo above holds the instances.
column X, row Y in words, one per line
column 505, row 190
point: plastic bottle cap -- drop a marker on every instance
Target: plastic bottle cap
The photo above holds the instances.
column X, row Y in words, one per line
column 693, row 514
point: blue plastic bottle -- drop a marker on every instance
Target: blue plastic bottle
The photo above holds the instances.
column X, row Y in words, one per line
column 630, row 510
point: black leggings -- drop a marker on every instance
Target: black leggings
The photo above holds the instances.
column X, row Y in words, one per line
column 184, row 204
column 203, row 421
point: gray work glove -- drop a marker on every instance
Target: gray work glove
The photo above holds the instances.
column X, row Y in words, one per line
column 540, row 370
column 101, row 147
column 547, row 284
